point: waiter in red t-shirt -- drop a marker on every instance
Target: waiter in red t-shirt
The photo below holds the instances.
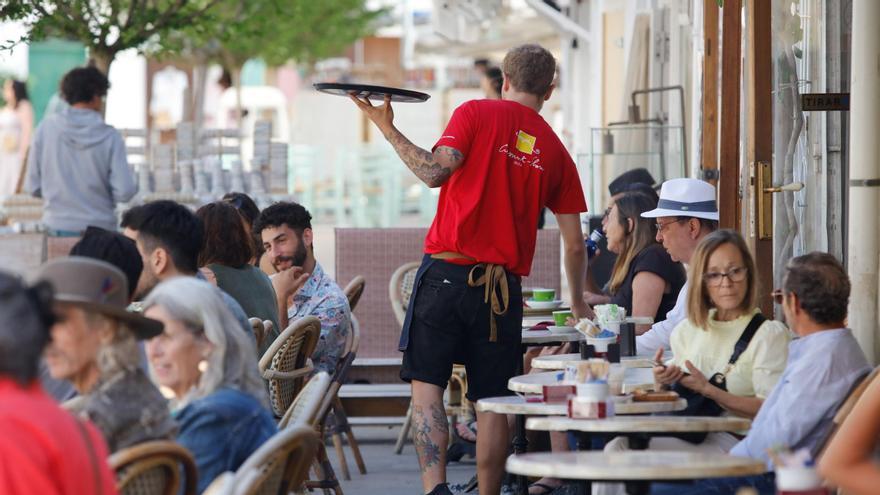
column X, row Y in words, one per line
column 497, row 164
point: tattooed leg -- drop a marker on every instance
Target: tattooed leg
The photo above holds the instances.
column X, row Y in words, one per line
column 430, row 433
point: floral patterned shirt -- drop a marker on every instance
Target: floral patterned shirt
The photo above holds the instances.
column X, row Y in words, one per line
column 321, row 297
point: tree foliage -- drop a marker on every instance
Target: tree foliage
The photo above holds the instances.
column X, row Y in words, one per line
column 107, row 27
column 280, row 30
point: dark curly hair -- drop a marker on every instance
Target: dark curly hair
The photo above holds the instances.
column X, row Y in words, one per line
column 294, row 215
column 227, row 241
column 83, row 84
column 171, row 226
column 821, row 284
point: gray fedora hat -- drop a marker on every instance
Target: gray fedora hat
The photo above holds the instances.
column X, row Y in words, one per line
column 96, row 286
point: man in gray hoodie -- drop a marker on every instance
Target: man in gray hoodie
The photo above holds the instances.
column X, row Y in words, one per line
column 77, row 163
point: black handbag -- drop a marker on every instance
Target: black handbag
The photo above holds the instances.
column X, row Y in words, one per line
column 700, row 405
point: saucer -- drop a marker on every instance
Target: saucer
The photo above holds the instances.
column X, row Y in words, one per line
column 543, row 304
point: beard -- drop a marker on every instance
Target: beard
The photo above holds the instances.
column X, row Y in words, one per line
column 297, row 259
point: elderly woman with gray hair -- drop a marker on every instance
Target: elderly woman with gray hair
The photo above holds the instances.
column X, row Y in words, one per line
column 94, row 346
column 205, row 359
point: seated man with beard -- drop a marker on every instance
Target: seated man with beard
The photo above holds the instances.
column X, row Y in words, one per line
column 301, row 286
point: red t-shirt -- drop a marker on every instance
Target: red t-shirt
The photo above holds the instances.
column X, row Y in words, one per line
column 514, row 165
column 42, row 450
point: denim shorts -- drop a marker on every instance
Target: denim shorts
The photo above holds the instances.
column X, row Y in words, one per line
column 450, row 323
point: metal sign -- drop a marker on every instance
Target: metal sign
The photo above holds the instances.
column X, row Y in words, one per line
column 825, row 102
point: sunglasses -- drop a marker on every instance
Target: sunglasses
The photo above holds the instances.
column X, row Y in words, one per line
column 778, row 296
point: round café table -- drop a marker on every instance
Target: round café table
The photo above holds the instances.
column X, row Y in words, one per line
column 562, row 361
column 636, row 469
column 517, row 405
column 638, row 430
column 533, row 383
column 546, row 337
column 656, row 425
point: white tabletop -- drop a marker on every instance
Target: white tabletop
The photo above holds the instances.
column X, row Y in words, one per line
column 561, row 361
column 546, row 336
column 633, row 465
column 533, row 383
column 518, row 405
column 641, row 424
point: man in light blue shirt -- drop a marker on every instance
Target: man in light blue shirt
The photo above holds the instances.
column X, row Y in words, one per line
column 824, row 365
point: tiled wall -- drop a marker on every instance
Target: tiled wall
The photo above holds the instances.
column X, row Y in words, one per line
column 376, row 254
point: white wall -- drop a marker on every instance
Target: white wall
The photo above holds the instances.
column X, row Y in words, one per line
column 126, row 100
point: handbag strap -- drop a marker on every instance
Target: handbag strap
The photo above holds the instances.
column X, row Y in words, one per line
column 743, row 342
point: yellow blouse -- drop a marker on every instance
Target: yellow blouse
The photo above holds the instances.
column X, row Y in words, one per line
column 758, row 368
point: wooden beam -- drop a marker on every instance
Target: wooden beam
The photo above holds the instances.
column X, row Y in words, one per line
column 709, row 127
column 731, row 54
column 760, row 136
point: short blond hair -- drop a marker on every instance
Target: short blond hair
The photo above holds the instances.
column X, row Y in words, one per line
column 698, row 301
column 529, row 68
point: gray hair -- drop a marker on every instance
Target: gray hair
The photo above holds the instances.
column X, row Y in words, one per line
column 122, row 353
column 200, row 307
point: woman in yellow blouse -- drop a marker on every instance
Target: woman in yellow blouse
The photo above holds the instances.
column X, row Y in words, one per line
column 721, row 303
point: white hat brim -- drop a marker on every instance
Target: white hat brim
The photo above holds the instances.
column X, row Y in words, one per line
column 663, row 212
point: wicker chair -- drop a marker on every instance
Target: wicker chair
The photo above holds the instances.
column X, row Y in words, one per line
column 277, row 467
column 306, row 405
column 854, row 395
column 336, row 422
column 354, row 290
column 400, row 288
column 285, row 364
column 154, row 468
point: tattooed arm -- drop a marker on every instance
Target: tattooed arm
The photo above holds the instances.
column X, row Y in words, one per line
column 434, row 169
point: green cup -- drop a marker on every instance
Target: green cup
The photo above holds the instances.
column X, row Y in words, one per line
column 560, row 317
column 544, row 295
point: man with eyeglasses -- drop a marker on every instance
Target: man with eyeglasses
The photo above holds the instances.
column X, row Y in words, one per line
column 685, row 213
column 824, row 365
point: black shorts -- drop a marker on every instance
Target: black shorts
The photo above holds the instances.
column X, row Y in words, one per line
column 450, row 324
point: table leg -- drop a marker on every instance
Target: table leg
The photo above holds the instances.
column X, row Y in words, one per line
column 520, row 442
column 638, row 487
column 584, row 441
column 638, row 442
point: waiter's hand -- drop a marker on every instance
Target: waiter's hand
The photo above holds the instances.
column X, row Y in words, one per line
column 581, row 309
column 382, row 116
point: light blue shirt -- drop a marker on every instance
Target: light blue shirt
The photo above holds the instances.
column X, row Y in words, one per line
column 821, row 370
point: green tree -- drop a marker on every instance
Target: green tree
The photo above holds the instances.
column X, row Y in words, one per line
column 106, row 27
column 277, row 31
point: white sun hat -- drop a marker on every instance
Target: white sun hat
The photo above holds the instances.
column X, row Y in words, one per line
column 685, row 198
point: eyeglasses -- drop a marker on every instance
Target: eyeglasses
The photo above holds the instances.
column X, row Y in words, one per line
column 607, row 213
column 662, row 226
column 778, row 296
column 735, row 275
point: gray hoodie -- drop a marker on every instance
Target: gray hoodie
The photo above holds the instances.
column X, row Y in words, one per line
column 78, row 165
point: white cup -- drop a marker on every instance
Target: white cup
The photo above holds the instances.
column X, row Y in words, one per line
column 797, row 478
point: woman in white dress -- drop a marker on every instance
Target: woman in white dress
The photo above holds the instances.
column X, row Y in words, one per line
column 16, row 124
